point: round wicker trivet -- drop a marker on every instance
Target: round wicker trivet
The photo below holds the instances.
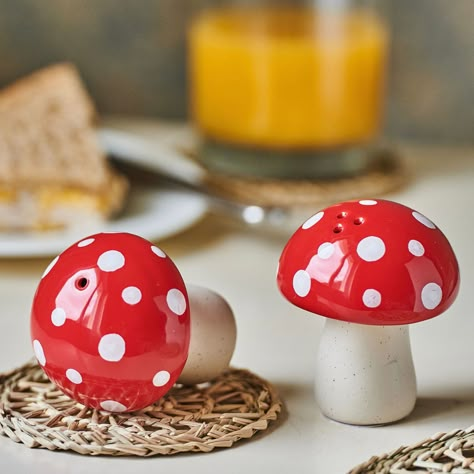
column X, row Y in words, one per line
column 386, row 173
column 443, row 452
column 236, row 405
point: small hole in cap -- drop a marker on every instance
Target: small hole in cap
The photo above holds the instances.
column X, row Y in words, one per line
column 359, row 221
column 81, row 283
column 338, row 229
column 341, row 215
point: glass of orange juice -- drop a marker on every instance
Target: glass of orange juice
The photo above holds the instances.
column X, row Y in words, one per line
column 288, row 89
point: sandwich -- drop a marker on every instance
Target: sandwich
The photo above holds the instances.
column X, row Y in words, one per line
column 53, row 173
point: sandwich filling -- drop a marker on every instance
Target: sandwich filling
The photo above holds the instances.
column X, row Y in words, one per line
column 53, row 172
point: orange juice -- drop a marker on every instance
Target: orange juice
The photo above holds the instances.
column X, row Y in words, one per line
column 287, row 79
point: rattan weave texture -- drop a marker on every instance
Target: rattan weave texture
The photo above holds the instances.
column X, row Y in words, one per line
column 236, row 405
column 443, row 452
column 386, row 174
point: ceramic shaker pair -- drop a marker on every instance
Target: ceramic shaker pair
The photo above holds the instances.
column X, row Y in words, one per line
column 114, row 325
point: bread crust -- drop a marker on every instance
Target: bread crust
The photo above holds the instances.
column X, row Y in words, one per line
column 48, row 139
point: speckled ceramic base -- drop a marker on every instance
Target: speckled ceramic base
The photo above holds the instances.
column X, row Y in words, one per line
column 365, row 374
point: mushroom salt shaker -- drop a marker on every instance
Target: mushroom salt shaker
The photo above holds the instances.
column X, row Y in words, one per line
column 213, row 336
column 110, row 322
column 371, row 267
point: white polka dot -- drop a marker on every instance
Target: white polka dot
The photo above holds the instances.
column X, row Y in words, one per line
column 74, row 376
column 368, row 202
column 161, row 378
column 301, row 283
column 424, row 220
column 371, row 249
column 112, row 347
column 110, row 261
column 325, row 250
column 416, row 248
column 58, row 316
column 131, row 295
column 39, row 352
column 112, row 406
column 431, row 295
column 85, row 243
column 176, row 301
column 158, row 251
column 313, row 220
column 372, row 298
column 50, row 266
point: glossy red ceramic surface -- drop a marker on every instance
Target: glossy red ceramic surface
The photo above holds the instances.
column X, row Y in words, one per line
column 110, row 322
column 370, row 262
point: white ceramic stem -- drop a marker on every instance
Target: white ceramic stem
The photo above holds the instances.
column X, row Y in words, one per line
column 365, row 374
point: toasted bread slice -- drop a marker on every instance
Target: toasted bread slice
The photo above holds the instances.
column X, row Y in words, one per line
column 52, row 170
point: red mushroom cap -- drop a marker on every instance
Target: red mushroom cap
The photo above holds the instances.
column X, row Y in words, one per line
column 369, row 262
column 110, row 322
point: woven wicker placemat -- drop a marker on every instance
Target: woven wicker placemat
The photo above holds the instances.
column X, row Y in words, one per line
column 236, row 405
column 443, row 452
column 386, row 173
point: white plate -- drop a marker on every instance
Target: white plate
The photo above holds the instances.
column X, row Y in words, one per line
column 151, row 213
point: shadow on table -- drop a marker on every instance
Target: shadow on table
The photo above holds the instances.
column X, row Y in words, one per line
column 439, row 406
column 459, row 402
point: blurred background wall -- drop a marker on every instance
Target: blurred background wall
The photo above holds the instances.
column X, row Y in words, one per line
column 131, row 54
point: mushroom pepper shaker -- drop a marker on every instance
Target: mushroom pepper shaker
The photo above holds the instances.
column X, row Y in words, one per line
column 110, row 322
column 371, row 267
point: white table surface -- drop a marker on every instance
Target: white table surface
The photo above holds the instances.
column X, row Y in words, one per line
column 278, row 342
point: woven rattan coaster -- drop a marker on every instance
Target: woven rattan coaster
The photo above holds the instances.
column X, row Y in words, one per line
column 386, row 173
column 235, row 406
column 444, row 452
